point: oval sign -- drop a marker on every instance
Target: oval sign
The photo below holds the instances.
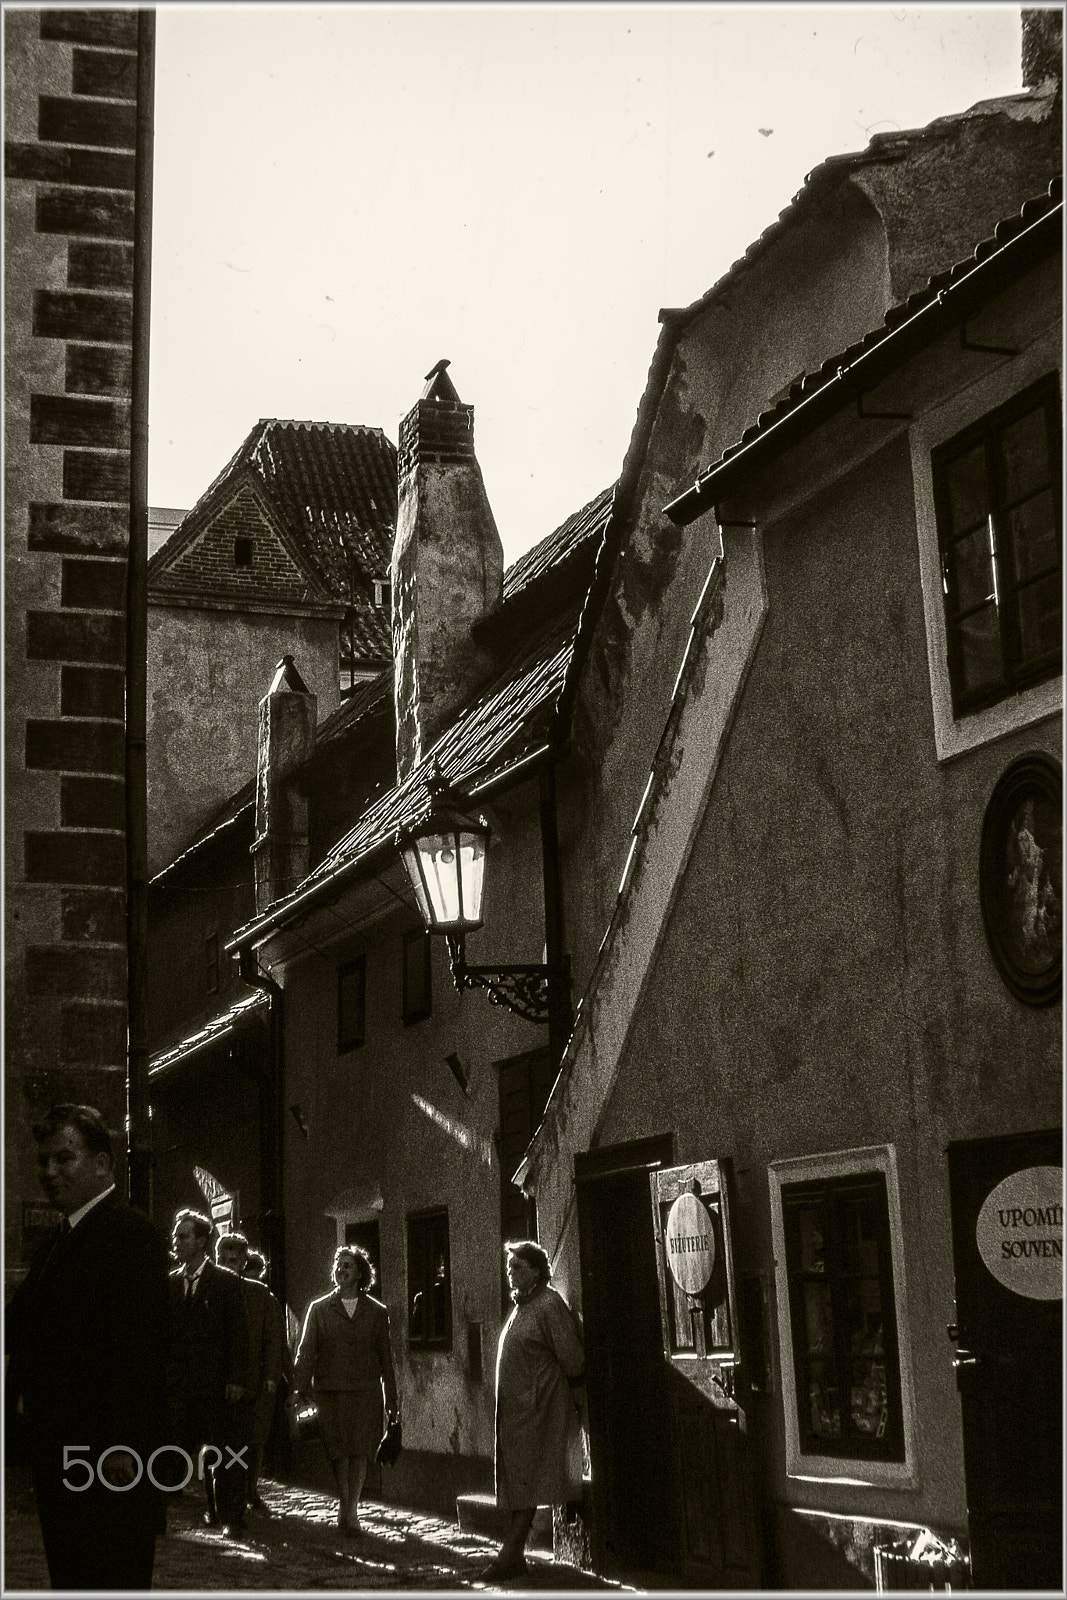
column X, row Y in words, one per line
column 690, row 1243
column 1019, row 1233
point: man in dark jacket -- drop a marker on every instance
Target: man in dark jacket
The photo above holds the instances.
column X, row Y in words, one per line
column 208, row 1376
column 268, row 1354
column 87, row 1340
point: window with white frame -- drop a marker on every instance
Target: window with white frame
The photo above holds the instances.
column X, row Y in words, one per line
column 986, row 469
column 841, row 1313
column 997, row 499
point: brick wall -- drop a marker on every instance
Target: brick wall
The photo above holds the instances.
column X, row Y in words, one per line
column 210, row 558
column 71, row 131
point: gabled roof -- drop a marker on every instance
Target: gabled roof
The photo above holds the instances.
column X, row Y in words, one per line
column 504, row 730
column 332, row 490
column 1015, row 243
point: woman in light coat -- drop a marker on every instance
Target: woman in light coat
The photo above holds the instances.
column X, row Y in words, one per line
column 540, row 1363
column 345, row 1360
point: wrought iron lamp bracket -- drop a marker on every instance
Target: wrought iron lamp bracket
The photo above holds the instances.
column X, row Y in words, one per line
column 524, row 990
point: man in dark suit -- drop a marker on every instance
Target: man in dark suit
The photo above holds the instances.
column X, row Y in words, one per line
column 87, row 1340
column 207, row 1376
column 268, row 1354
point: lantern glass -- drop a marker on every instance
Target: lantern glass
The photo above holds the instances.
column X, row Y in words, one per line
column 447, row 872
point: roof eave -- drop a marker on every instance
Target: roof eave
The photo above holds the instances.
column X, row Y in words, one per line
column 951, row 305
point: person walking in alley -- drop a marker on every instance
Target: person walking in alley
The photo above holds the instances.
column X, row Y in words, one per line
column 87, row 1338
column 540, row 1362
column 346, row 1359
column 268, row 1354
column 208, row 1371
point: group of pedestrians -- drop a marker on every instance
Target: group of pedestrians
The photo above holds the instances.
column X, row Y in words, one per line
column 126, row 1378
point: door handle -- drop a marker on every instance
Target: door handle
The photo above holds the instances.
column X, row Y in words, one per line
column 966, row 1358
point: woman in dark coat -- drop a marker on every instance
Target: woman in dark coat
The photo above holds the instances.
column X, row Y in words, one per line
column 345, row 1360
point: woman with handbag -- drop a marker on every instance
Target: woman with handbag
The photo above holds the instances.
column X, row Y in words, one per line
column 346, row 1364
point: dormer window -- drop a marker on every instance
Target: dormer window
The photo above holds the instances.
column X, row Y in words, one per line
column 379, row 593
column 242, row 552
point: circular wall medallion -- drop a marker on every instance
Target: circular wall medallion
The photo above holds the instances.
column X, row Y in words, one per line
column 1021, row 879
column 690, row 1242
column 1019, row 1233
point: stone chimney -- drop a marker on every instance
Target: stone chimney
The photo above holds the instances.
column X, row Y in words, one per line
column 448, row 567
column 1042, row 50
column 287, row 716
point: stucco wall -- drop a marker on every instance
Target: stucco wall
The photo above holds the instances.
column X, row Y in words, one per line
column 378, row 1122
column 207, row 672
column 818, row 281
column 825, row 967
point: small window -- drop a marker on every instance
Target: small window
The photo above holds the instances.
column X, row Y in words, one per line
column 379, row 593
column 211, row 962
column 844, row 1334
column 351, row 1004
column 429, row 1282
column 417, row 1001
column 998, row 504
column 242, row 552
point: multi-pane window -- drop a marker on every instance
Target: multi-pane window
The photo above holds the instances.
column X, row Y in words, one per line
column 999, row 516
column 429, row 1282
column 351, row 1003
column 417, row 1002
column 843, row 1317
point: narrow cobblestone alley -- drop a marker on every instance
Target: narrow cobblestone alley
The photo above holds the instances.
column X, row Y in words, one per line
column 297, row 1547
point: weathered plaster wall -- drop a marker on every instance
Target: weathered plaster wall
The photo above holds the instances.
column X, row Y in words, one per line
column 207, row 672
column 856, row 244
column 825, row 968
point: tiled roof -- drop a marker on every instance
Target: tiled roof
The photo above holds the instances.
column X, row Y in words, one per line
column 509, row 724
column 333, row 486
column 218, row 1028
column 835, row 368
column 568, row 538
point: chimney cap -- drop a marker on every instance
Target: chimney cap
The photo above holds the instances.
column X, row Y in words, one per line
column 439, row 385
column 287, row 679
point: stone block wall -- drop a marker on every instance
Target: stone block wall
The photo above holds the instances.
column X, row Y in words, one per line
column 71, row 218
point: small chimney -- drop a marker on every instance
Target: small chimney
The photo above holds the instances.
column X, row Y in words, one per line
column 287, row 716
column 448, row 567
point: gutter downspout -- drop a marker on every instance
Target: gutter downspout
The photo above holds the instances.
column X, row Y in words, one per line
column 272, row 1126
column 138, row 1124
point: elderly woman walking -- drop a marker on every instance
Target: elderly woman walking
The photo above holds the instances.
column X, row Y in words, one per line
column 345, row 1360
column 540, row 1362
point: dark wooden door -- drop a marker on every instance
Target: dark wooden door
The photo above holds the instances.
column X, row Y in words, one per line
column 632, row 1501
column 717, row 1539
column 1007, row 1240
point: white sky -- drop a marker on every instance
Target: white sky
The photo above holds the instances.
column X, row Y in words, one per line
column 344, row 195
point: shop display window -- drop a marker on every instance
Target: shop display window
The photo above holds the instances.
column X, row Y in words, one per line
column 843, row 1319
column 846, row 1383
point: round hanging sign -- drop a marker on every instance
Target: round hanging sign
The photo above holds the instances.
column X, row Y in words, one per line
column 1019, row 1233
column 690, row 1243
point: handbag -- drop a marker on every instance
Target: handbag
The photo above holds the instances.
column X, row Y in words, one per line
column 305, row 1424
column 390, row 1447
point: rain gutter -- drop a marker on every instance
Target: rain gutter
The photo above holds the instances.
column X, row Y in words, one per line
column 951, row 305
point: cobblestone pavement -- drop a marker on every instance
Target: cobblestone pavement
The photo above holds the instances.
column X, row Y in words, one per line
column 298, row 1547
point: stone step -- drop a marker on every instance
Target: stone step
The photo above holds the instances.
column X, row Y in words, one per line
column 479, row 1513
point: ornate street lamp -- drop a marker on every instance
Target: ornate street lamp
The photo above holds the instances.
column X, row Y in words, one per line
column 445, row 860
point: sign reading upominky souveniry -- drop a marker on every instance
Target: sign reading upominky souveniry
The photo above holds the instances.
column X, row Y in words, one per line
column 1019, row 1232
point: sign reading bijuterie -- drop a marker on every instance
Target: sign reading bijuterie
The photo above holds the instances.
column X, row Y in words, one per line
column 1019, row 1232
column 689, row 1240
